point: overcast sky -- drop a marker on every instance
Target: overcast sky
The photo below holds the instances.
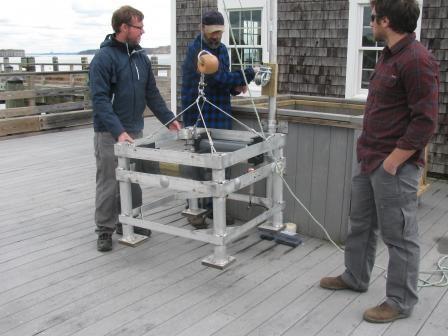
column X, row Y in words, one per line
column 75, row 25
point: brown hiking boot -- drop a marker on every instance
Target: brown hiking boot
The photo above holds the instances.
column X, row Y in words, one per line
column 383, row 313
column 334, row 283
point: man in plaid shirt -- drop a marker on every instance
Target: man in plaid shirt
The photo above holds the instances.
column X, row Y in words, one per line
column 218, row 86
column 399, row 120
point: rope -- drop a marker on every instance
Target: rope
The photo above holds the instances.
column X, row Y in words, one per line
column 200, row 23
column 212, row 147
column 441, row 268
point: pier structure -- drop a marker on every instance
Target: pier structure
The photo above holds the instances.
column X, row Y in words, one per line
column 41, row 96
column 12, row 53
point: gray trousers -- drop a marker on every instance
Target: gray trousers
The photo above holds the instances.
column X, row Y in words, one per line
column 384, row 203
column 107, row 198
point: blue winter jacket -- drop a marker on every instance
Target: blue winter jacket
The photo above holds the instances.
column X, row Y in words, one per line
column 122, row 84
column 219, row 86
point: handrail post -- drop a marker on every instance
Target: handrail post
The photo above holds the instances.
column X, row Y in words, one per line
column 155, row 65
column 55, row 63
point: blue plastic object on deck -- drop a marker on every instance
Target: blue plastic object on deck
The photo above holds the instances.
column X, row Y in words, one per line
column 281, row 237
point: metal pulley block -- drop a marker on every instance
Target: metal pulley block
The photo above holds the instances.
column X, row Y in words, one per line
column 263, row 76
column 187, row 133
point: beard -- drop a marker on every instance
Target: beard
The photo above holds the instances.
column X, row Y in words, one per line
column 132, row 44
column 212, row 43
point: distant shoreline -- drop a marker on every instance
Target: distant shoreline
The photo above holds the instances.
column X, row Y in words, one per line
column 151, row 51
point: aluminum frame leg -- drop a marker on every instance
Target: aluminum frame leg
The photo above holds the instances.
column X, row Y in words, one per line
column 219, row 259
column 277, row 189
column 193, row 208
column 129, row 237
column 276, row 195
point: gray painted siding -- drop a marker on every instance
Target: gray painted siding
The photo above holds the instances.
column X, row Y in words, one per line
column 321, row 178
column 319, row 167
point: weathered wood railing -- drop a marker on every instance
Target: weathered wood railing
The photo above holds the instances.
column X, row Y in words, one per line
column 29, row 64
column 36, row 101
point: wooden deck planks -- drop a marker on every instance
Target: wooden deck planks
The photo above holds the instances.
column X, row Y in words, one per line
column 54, row 282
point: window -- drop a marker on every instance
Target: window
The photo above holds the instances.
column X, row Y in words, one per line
column 363, row 52
column 246, row 30
column 370, row 49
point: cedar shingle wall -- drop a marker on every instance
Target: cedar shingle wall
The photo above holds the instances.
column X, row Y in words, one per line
column 434, row 36
column 188, row 14
column 312, row 47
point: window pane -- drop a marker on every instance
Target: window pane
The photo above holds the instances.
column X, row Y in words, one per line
column 236, row 33
column 234, row 19
column 367, row 38
column 250, row 57
column 257, row 56
column 246, row 17
column 246, row 56
column 246, row 26
column 248, row 38
column 369, row 59
column 367, row 12
column 256, row 17
column 365, row 78
column 367, row 35
column 234, row 55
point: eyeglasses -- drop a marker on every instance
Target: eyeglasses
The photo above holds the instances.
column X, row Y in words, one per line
column 372, row 17
column 136, row 27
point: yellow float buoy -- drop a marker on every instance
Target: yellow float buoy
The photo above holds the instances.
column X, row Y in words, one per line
column 207, row 63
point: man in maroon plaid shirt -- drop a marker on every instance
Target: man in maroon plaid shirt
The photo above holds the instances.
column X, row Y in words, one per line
column 399, row 120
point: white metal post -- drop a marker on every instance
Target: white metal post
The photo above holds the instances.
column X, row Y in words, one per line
column 219, row 259
column 173, row 56
column 277, row 188
column 273, row 60
column 272, row 127
column 129, row 237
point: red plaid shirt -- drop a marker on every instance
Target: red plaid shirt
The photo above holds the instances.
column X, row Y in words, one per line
column 402, row 105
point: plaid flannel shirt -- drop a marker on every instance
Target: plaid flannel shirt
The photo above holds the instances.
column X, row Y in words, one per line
column 219, row 87
column 402, row 104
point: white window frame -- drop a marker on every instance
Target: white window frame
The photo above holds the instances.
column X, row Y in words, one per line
column 353, row 76
column 241, row 5
column 230, row 45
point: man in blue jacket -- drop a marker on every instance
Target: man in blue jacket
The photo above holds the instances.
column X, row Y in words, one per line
column 218, row 86
column 122, row 85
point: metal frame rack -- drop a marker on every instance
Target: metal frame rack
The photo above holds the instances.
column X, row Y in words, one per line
column 243, row 148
